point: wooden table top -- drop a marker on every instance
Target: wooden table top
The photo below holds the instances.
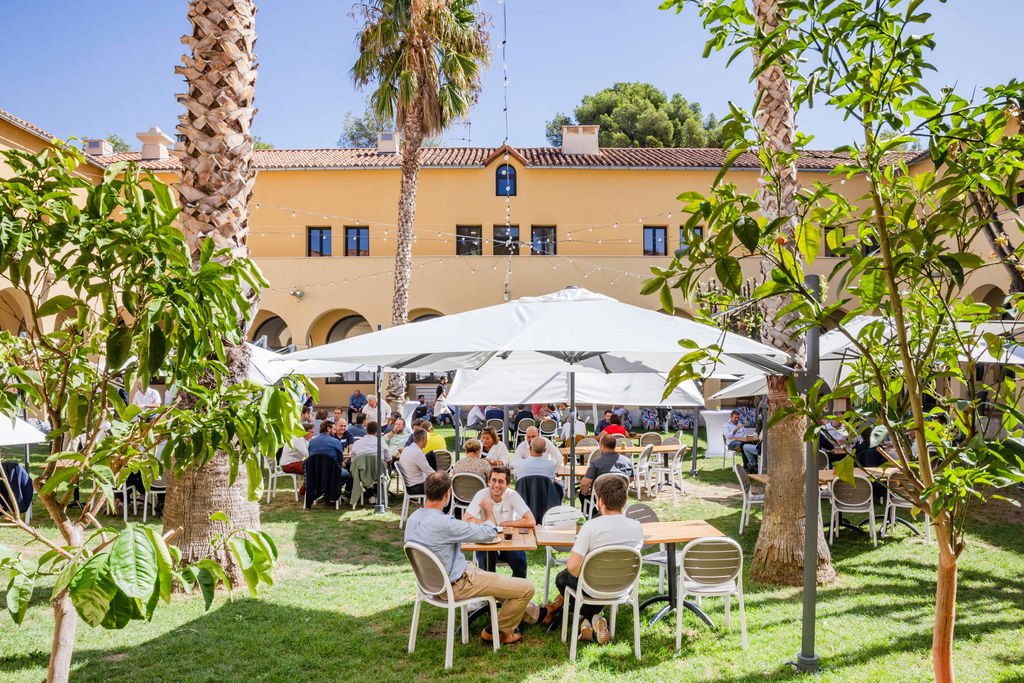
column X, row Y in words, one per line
column 527, row 541
column 682, row 531
column 624, row 449
column 563, row 470
column 825, row 476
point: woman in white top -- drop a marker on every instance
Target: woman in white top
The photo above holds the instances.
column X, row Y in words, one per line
column 493, row 449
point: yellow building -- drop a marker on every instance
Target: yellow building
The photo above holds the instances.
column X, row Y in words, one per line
column 322, row 227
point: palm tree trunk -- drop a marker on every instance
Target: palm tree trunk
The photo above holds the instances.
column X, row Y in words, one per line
column 215, row 188
column 779, row 553
column 412, row 138
column 995, row 233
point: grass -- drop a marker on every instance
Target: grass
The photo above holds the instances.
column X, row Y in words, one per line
column 341, row 606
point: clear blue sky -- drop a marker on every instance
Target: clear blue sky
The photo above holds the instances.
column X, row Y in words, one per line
column 85, row 68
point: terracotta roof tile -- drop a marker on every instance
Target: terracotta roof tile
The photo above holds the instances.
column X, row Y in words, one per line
column 25, row 124
column 440, row 157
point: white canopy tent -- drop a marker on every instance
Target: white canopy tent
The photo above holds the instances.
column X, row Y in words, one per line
column 499, row 386
column 14, row 432
column 751, row 385
column 573, row 331
column 269, row 367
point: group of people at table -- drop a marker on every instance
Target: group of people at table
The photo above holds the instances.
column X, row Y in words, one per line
column 493, row 507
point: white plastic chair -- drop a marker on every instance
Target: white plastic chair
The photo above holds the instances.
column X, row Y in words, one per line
column 650, row 439
column 749, row 498
column 643, row 470
column 670, row 441
column 464, row 486
column 711, row 567
column 156, row 486
column 622, row 441
column 499, row 427
column 893, row 500
column 659, row 558
column 726, row 451
column 609, row 576
column 434, row 587
column 593, row 454
column 587, row 442
column 413, row 497
column 558, row 517
column 547, row 428
column 673, row 472
column 274, row 472
column 521, row 428
column 443, row 459
column 851, row 498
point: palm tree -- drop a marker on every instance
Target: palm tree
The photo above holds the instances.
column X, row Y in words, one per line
column 216, row 184
column 424, row 59
column 779, row 552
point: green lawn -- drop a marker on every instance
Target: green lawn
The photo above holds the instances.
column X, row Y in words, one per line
column 341, row 609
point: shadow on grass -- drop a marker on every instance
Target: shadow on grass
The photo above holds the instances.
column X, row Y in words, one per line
column 253, row 640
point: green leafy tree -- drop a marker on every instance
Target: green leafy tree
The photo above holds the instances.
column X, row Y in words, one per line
column 640, row 115
column 867, row 62
column 258, row 143
column 117, row 143
column 361, row 131
column 112, row 279
column 423, row 59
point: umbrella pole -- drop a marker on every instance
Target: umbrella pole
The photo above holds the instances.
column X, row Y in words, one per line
column 806, row 659
column 696, row 427
column 457, row 420
column 572, row 439
column 379, row 508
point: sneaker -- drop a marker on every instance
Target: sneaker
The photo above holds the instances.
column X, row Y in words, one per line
column 604, row 636
column 532, row 614
column 586, row 631
column 372, row 501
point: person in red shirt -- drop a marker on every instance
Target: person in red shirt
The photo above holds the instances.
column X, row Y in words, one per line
column 615, row 427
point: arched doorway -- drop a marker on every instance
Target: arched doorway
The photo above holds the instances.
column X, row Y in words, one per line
column 275, row 331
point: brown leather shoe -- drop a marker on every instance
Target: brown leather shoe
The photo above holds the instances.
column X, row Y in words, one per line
column 504, row 637
column 550, row 610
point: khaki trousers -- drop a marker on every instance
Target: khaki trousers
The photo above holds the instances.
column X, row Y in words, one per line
column 513, row 594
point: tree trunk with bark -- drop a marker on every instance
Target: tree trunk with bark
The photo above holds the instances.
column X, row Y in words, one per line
column 998, row 240
column 779, row 552
column 945, row 602
column 216, row 184
column 412, row 139
column 65, row 619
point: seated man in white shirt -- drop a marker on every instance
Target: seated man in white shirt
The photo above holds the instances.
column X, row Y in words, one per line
column 150, row 398
column 611, row 528
column 370, row 409
column 413, row 461
column 296, row 453
column 476, row 418
column 580, row 428
column 503, row 507
column 523, row 449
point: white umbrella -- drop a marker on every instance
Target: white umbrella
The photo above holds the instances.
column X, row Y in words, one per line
column 268, row 367
column 15, row 431
column 572, row 330
column 500, row 386
column 751, row 385
column 569, row 330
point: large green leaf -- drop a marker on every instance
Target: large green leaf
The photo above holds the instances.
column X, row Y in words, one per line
column 157, row 350
column 243, row 552
column 57, row 478
column 122, row 610
column 92, row 589
column 164, row 564
column 56, row 304
column 19, row 593
column 119, row 347
column 133, row 563
column 729, row 273
column 748, row 233
column 808, row 240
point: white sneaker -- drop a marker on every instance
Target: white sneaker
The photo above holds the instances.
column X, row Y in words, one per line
column 372, row 500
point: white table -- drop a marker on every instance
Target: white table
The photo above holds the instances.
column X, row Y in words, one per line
column 714, row 423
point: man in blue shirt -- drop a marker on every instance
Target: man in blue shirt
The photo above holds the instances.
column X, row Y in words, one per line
column 325, row 443
column 603, row 422
column 443, row 535
column 355, row 403
column 494, row 413
column 358, row 429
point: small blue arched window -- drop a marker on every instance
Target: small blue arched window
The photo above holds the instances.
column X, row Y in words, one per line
column 505, row 181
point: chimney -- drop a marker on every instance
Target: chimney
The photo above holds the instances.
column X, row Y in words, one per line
column 579, row 139
column 154, row 144
column 98, row 147
column 387, row 142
